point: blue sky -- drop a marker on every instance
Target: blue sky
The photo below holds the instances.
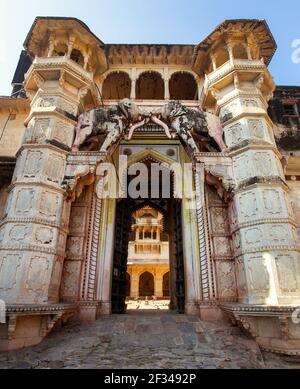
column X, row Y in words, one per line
column 152, row 21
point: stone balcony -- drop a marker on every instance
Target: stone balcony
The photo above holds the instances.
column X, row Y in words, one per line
column 53, row 63
column 249, row 71
column 64, row 71
column 147, row 222
column 233, row 65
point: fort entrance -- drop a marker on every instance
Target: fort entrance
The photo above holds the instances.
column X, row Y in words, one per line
column 67, row 251
column 146, row 288
column 148, row 253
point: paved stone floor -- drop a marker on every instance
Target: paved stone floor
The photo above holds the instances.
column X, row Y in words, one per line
column 146, row 340
column 141, row 304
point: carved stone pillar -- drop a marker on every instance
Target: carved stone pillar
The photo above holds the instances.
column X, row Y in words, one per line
column 193, row 293
column 135, row 283
column 34, row 240
column 133, row 84
column 71, row 43
column 230, row 50
column 105, row 256
column 265, row 237
column 213, row 61
column 167, row 84
column 158, row 284
column 51, row 45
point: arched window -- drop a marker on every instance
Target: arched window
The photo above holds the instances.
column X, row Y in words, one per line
column 77, row 57
column 183, row 86
column 240, row 52
column 150, row 86
column 117, row 86
column 60, row 50
column 222, row 57
column 166, row 285
column 146, row 286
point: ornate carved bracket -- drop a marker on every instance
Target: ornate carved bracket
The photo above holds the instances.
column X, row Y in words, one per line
column 48, row 323
column 218, row 177
column 84, row 175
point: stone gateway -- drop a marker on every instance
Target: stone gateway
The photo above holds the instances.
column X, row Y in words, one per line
column 222, row 245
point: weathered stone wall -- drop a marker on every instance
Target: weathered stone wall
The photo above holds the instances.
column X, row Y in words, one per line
column 11, row 133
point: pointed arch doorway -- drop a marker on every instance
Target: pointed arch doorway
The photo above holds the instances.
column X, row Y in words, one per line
column 171, row 211
column 171, row 208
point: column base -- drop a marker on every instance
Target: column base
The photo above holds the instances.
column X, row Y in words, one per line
column 192, row 308
column 104, row 308
column 87, row 311
column 275, row 328
column 211, row 312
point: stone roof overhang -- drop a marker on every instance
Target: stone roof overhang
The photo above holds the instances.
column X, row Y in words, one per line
column 42, row 23
column 43, row 26
column 159, row 54
column 191, row 55
column 258, row 28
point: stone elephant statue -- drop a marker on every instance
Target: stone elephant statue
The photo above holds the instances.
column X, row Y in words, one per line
column 192, row 125
column 100, row 128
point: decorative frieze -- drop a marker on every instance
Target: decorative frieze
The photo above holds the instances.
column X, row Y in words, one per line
column 227, row 288
column 288, row 270
column 251, row 130
column 10, row 271
column 52, row 128
column 253, row 163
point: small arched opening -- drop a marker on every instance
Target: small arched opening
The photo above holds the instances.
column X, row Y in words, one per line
column 183, row 86
column 239, row 51
column 146, row 285
column 150, row 86
column 222, row 57
column 117, row 86
column 60, row 50
column 77, row 57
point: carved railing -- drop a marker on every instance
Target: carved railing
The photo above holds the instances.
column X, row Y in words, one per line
column 229, row 66
column 52, row 62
